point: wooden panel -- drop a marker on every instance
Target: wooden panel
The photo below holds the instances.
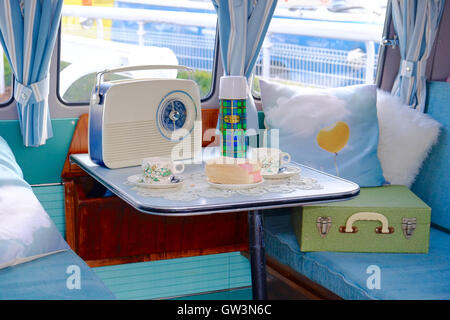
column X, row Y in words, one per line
column 112, row 231
column 209, row 123
column 70, row 199
column 79, row 144
column 299, row 282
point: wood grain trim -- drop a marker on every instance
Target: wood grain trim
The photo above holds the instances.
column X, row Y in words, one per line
column 296, row 281
column 209, row 123
column 165, row 255
column 79, row 144
column 70, row 201
column 299, row 282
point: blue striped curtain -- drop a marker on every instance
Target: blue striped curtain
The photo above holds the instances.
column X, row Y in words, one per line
column 243, row 25
column 416, row 23
column 28, row 32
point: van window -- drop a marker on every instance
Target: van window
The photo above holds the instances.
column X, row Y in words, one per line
column 322, row 43
column 5, row 79
column 105, row 34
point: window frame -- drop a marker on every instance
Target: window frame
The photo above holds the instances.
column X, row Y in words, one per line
column 381, row 55
column 11, row 97
column 383, row 49
column 84, row 104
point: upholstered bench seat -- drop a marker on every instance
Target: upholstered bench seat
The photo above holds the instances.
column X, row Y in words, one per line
column 403, row 276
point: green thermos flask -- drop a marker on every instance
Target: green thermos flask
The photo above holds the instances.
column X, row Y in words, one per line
column 233, row 116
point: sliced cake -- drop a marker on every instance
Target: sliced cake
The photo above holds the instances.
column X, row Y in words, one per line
column 233, row 171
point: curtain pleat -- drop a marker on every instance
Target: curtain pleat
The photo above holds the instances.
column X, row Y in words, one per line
column 416, row 23
column 28, row 31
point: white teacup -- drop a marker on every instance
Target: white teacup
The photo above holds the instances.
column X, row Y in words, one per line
column 160, row 169
column 271, row 159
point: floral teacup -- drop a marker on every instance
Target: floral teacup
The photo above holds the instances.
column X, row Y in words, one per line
column 160, row 169
column 271, row 159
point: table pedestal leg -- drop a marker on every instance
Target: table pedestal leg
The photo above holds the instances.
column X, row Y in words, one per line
column 257, row 255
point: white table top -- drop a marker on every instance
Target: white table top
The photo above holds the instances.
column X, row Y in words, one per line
column 334, row 189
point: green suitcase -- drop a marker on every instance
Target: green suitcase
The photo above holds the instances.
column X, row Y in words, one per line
column 381, row 219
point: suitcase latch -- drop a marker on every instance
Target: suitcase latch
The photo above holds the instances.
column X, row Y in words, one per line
column 408, row 226
column 323, row 225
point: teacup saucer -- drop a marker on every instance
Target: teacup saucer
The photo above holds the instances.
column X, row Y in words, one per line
column 138, row 181
column 288, row 172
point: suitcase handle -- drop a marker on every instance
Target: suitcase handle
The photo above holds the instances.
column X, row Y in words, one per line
column 367, row 216
column 100, row 74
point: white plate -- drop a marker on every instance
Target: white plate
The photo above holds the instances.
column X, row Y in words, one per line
column 234, row 186
column 289, row 172
column 135, row 180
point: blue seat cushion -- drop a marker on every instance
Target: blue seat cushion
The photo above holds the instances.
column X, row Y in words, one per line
column 46, row 279
column 403, row 276
column 433, row 183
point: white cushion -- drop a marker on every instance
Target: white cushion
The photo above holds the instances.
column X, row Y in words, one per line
column 406, row 137
column 26, row 231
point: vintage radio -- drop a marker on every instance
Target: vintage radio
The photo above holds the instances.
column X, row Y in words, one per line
column 130, row 120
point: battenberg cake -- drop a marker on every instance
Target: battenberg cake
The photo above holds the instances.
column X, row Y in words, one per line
column 228, row 170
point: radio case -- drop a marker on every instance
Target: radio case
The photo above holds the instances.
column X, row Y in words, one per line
column 130, row 120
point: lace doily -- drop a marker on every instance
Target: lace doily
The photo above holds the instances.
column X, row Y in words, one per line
column 195, row 186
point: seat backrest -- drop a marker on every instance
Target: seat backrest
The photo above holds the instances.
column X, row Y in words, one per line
column 432, row 185
column 43, row 164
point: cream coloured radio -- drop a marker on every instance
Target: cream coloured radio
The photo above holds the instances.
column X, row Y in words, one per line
column 130, row 120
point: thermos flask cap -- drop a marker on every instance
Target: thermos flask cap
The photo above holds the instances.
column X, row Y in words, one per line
column 233, row 88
